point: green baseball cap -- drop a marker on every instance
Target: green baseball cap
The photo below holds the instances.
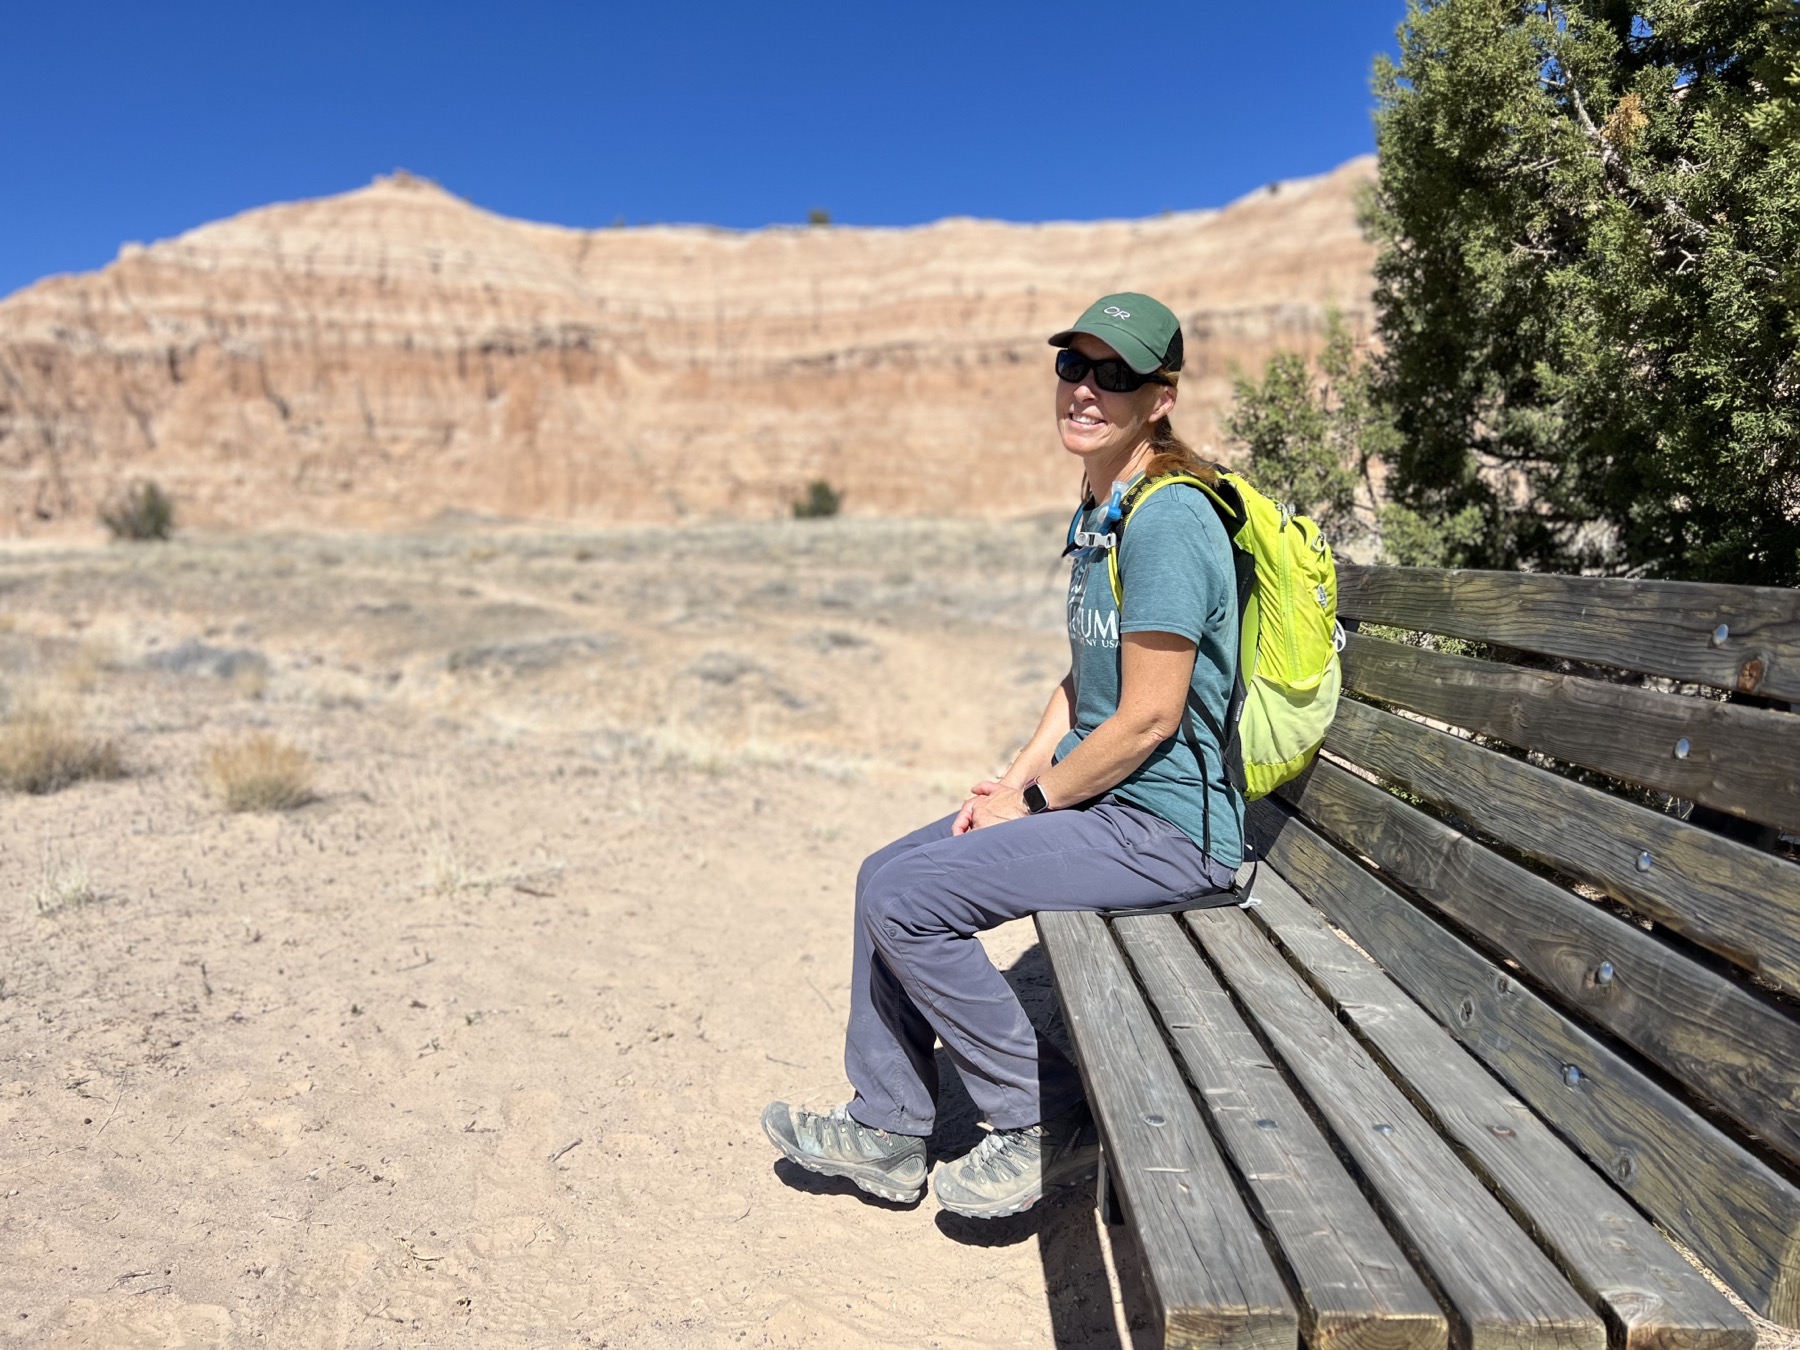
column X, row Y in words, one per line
column 1140, row 329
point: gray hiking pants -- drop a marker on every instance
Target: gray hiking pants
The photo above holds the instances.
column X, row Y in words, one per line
column 921, row 975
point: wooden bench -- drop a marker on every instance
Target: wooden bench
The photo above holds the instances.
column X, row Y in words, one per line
column 1565, row 1018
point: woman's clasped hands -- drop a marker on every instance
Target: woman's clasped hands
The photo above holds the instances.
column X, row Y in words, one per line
column 992, row 801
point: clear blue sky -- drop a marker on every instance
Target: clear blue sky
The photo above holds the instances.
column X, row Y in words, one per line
column 133, row 121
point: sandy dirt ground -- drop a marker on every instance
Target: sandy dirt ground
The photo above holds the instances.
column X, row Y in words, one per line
column 470, row 1049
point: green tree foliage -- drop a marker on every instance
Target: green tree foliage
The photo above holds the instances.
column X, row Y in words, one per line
column 1777, row 70
column 1589, row 283
column 1313, row 435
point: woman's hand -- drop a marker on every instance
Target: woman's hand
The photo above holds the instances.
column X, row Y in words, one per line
column 1037, row 756
column 965, row 817
column 997, row 806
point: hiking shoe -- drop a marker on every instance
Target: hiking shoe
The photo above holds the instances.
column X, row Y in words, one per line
column 891, row 1166
column 1006, row 1173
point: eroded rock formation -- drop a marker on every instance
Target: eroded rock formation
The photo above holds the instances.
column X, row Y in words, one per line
column 379, row 357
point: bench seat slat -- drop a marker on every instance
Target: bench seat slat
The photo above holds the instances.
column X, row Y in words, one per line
column 1643, row 1285
column 1732, row 1209
column 1504, row 1290
column 1736, row 901
column 1739, row 760
column 1735, row 1049
column 1213, row 1279
column 1356, row 1289
column 1658, row 627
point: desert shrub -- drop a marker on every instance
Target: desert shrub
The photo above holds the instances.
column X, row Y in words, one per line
column 141, row 513
column 1314, row 433
column 818, row 216
column 260, row 773
column 42, row 750
column 64, row 882
column 821, row 500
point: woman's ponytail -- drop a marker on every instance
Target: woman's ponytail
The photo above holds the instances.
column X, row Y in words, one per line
column 1171, row 454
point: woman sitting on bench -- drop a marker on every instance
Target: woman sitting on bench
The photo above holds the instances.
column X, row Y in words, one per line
column 1113, row 804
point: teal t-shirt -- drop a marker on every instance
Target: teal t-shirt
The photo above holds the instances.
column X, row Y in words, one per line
column 1176, row 565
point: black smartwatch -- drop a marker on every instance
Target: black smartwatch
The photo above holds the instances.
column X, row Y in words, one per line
column 1034, row 798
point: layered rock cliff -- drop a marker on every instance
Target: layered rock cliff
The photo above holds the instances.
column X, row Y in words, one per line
column 382, row 356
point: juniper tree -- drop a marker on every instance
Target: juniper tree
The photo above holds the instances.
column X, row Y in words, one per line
column 1589, row 282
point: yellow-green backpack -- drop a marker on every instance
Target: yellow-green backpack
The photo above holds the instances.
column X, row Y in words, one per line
column 1288, row 672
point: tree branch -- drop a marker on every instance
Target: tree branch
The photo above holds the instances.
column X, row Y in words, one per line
column 1609, row 157
column 1612, row 164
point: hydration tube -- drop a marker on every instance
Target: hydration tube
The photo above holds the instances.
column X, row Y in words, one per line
column 1104, row 538
column 1115, row 505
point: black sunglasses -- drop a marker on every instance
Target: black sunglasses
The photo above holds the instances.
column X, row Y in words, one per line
column 1112, row 375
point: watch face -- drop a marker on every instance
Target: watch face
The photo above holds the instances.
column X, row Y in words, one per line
column 1034, row 798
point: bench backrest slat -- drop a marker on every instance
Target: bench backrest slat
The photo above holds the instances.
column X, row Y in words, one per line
column 1738, row 902
column 1734, row 1209
column 1656, row 627
column 1734, row 759
column 1719, row 1038
column 1609, row 1250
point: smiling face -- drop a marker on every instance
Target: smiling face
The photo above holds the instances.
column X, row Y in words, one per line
column 1106, row 431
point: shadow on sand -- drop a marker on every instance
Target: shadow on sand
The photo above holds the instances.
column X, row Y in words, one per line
column 1063, row 1223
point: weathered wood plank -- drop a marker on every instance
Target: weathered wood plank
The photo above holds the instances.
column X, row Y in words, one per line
column 1737, row 901
column 1355, row 1287
column 1737, row 1213
column 1658, row 627
column 1732, row 1047
column 1738, row 760
column 1504, row 1291
column 1646, row 1290
column 1210, row 1275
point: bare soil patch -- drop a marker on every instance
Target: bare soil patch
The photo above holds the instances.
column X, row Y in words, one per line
column 470, row 1048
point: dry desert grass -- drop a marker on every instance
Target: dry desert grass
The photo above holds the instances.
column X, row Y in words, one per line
column 260, row 772
column 46, row 749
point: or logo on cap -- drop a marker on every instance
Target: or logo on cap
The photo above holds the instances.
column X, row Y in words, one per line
column 1118, row 313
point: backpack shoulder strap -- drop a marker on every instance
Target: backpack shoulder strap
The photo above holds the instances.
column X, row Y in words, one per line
column 1224, row 498
column 1228, row 501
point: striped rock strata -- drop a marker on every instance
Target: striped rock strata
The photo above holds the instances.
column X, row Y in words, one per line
column 376, row 358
